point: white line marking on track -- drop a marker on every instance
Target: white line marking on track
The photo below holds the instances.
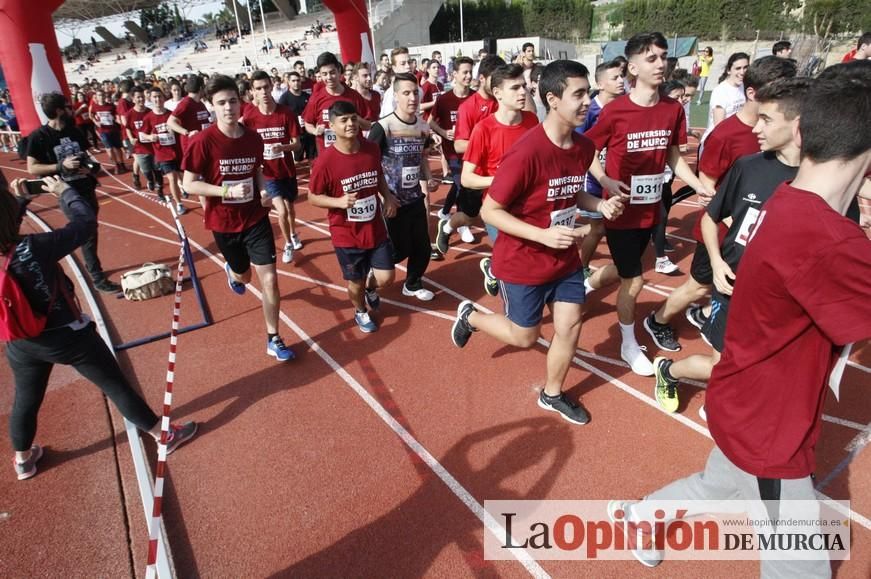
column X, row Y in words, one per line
column 140, row 233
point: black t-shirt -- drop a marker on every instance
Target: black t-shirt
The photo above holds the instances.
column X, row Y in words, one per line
column 294, row 102
column 743, row 192
column 48, row 146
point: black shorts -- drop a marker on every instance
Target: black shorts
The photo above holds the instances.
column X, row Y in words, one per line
column 469, row 201
column 255, row 245
column 627, row 247
column 356, row 262
column 714, row 328
column 701, row 269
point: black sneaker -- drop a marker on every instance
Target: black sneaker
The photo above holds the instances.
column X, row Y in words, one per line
column 572, row 412
column 662, row 334
column 151, row 186
column 179, row 434
column 443, row 239
column 435, row 254
column 462, row 330
column 668, row 247
column 137, row 184
column 491, row 284
column 106, row 286
column 696, row 316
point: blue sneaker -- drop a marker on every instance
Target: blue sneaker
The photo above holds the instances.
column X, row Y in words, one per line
column 237, row 287
column 364, row 322
column 275, row 347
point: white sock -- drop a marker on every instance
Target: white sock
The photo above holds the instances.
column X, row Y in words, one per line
column 588, row 286
column 660, row 259
column 447, row 227
column 627, row 331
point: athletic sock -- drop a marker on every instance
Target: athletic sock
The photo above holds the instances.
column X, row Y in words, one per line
column 271, row 336
column 627, row 331
column 447, row 227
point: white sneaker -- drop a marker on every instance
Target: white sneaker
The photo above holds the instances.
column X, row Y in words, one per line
column 466, row 234
column 442, row 215
column 287, row 254
column 422, row 294
column 665, row 265
column 296, row 241
column 634, row 356
column 647, row 557
column 181, row 209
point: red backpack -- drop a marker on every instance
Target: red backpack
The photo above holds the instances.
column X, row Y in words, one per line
column 17, row 318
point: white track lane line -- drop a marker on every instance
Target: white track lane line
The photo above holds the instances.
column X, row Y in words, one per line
column 165, row 564
column 530, row 564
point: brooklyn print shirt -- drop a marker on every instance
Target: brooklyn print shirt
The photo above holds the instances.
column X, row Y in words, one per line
column 402, row 147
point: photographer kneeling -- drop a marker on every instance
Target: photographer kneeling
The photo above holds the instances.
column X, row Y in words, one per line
column 68, row 336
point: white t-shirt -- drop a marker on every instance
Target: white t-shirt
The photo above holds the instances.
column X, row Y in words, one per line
column 728, row 97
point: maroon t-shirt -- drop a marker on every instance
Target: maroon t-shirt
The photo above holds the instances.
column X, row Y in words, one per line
column 539, row 183
column 277, row 128
column 193, row 116
column 221, row 160
column 430, row 93
column 445, row 113
column 336, row 174
column 802, row 292
column 134, row 125
column 316, row 112
column 122, row 108
column 374, row 103
column 104, row 117
column 167, row 147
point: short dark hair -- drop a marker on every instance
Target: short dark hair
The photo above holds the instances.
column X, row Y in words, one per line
column 788, row 93
column 260, row 75
column 606, row 66
column 125, row 85
column 403, row 77
column 503, row 73
column 51, row 103
column 137, row 89
column 218, row 83
column 864, row 39
column 194, row 84
column 244, row 86
column 488, row 64
column 691, row 81
column 554, row 76
column 836, row 113
column 525, row 45
column 641, row 43
column 670, row 85
column 434, row 52
column 463, row 60
column 327, row 59
column 780, row 46
column 292, row 74
column 298, row 62
column 535, row 72
column 341, row 108
column 768, row 69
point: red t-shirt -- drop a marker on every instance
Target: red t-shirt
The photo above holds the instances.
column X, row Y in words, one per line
column 123, row 107
column 134, row 125
column 167, row 147
column 279, row 127
column 244, row 107
column 802, row 291
column 445, row 113
column 638, row 140
column 222, row 160
column 104, row 117
column 374, row 102
column 84, row 117
column 430, row 92
column 728, row 142
column 471, row 112
column 491, row 139
column 317, row 112
column 193, row 116
column 336, row 174
column 539, row 183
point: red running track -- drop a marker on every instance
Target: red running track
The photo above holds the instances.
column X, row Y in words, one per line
column 369, row 455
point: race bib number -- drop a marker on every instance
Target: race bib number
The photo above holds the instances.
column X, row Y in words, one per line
column 363, row 209
column 564, row 217
column 105, row 118
column 329, row 137
column 166, row 139
column 301, row 123
column 205, row 126
column 248, row 197
column 646, row 189
column 410, row 177
column 746, row 229
column 270, row 152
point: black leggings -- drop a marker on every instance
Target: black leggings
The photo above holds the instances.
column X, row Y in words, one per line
column 409, row 232
column 32, row 360
column 659, row 230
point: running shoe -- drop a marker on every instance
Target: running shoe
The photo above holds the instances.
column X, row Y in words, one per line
column 179, row 434
column 237, row 286
column 442, row 215
column 373, row 300
column 181, row 209
column 637, row 360
column 620, row 513
column 662, row 334
column 27, row 469
column 161, row 196
column 491, row 284
column 296, row 241
column 666, row 386
column 570, row 411
column 364, row 322
column 448, row 179
column 443, row 239
column 696, row 316
column 466, row 234
column 106, row 286
column 287, row 254
column 665, row 266
column 420, row 293
column 435, row 254
column 668, row 247
column 137, row 184
column 276, row 348
column 462, row 330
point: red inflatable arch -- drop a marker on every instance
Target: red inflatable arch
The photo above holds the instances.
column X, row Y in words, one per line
column 352, row 24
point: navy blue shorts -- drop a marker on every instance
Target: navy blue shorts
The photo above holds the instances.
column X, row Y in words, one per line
column 111, row 140
column 524, row 304
column 167, row 167
column 287, row 188
column 356, row 263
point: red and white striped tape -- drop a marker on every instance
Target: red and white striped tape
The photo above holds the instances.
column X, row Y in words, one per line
column 157, row 508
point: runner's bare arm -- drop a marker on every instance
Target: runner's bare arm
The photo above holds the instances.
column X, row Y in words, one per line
column 449, row 135
column 722, row 273
column 470, row 179
column 614, row 186
column 387, row 199
column 193, row 185
column 314, row 130
column 460, row 146
column 498, row 216
column 173, row 123
column 684, row 173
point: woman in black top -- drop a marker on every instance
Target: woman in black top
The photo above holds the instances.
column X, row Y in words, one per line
column 69, row 337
